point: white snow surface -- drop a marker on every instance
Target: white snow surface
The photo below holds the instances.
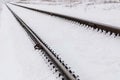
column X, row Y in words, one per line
column 108, row 14
column 92, row 55
column 18, row 59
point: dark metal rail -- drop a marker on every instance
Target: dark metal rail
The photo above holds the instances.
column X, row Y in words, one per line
column 39, row 44
column 95, row 25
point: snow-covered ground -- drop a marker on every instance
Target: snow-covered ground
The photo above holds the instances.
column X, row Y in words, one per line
column 0, row 12
column 92, row 55
column 101, row 13
column 18, row 59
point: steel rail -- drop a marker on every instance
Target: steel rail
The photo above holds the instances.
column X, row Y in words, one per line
column 95, row 25
column 40, row 44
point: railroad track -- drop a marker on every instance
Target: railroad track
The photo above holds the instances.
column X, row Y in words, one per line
column 52, row 58
column 39, row 44
column 103, row 27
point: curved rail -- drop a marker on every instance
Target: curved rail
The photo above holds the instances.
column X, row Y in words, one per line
column 95, row 25
column 39, row 44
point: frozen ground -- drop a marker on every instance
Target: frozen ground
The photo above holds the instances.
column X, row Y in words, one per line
column 18, row 59
column 101, row 13
column 92, row 55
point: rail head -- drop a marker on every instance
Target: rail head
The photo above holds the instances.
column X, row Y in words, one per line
column 93, row 24
column 39, row 44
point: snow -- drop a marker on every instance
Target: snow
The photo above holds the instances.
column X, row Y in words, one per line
column 18, row 59
column 92, row 55
column 97, row 13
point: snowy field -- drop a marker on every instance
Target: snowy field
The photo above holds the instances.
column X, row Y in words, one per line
column 101, row 13
column 92, row 55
